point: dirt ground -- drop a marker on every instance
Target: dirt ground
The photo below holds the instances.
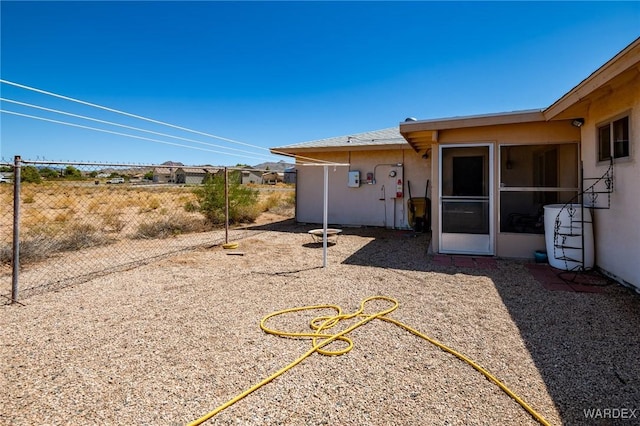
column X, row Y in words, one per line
column 166, row 342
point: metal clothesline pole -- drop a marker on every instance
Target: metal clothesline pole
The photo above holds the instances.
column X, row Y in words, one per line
column 325, row 205
column 325, row 214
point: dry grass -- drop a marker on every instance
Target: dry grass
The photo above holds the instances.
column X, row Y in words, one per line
column 277, row 202
column 54, row 210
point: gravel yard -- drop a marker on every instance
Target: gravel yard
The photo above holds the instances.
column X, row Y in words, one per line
column 169, row 341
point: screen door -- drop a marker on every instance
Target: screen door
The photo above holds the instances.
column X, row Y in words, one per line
column 466, row 199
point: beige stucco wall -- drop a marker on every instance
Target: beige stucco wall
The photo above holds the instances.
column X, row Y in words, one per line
column 506, row 244
column 361, row 206
column 617, row 230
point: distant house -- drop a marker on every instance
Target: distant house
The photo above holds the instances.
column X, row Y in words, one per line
column 251, row 176
column 290, row 175
column 273, row 177
column 183, row 175
column 136, row 178
column 163, row 175
column 194, row 175
column 213, row 171
column 190, row 175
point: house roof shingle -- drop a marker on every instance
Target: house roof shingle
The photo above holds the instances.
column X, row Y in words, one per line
column 196, row 170
column 389, row 136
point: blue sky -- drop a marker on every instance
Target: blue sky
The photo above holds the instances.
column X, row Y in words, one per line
column 275, row 73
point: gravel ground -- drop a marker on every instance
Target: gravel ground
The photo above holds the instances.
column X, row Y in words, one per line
column 169, row 341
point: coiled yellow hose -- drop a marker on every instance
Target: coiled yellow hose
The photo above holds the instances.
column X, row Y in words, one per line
column 320, row 340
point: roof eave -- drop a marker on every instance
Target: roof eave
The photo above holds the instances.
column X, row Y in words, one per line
column 626, row 59
column 335, row 148
column 472, row 121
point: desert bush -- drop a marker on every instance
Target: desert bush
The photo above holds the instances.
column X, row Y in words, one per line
column 94, row 205
column 80, row 236
column 151, row 204
column 30, row 250
column 190, row 206
column 72, row 173
column 43, row 242
column 6, row 253
column 49, row 173
column 279, row 203
column 28, row 195
column 30, row 174
column 246, row 213
column 211, row 201
column 271, row 201
column 111, row 220
column 169, row 226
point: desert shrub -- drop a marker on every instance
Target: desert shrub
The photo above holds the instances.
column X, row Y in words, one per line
column 279, row 203
column 152, row 203
column 49, row 173
column 30, row 174
column 246, row 213
column 41, row 243
column 271, row 201
column 168, row 226
column 290, row 199
column 190, row 206
column 111, row 220
column 72, row 173
column 81, row 236
column 31, row 250
column 6, row 253
column 211, row 201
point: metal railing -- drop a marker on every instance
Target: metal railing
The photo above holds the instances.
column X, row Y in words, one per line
column 571, row 222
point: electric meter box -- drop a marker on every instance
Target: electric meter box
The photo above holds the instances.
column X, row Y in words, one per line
column 354, row 179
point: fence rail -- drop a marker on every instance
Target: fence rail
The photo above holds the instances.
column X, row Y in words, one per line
column 66, row 222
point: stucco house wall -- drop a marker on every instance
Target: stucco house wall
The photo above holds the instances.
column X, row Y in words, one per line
column 617, row 230
column 370, row 204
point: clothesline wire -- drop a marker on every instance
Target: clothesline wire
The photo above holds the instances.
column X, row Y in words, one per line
column 151, row 120
column 123, row 134
column 120, row 125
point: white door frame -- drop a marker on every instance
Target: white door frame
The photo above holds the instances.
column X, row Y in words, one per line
column 481, row 244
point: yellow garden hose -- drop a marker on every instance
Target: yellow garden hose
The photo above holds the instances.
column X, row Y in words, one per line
column 320, row 339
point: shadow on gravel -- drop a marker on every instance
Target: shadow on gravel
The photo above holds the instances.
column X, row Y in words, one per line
column 410, row 247
column 586, row 345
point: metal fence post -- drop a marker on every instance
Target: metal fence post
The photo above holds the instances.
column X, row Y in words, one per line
column 226, row 205
column 16, row 229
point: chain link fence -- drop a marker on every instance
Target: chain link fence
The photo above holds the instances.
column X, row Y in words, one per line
column 76, row 221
